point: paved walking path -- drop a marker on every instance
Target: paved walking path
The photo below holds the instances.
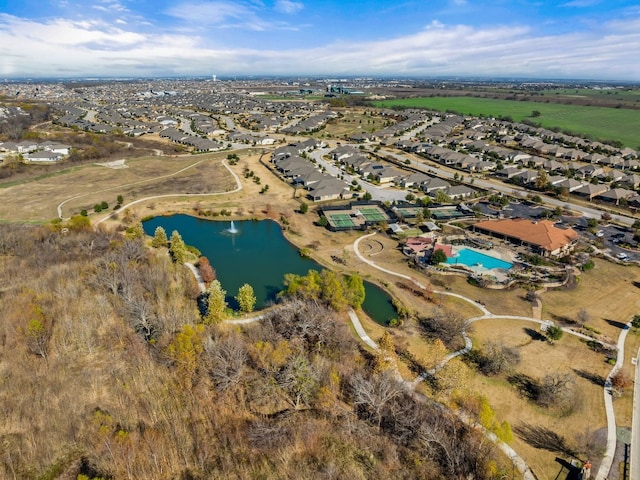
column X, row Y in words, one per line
column 167, row 195
column 519, row 463
column 635, row 424
column 607, row 460
column 605, row 465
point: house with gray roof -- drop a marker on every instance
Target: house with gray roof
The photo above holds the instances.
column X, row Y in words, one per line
column 590, row 190
column 570, row 184
column 615, row 195
column 329, row 188
column 460, row 191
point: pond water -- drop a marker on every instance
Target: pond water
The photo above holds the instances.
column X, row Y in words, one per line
column 256, row 253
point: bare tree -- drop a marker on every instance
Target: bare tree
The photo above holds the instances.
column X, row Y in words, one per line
column 299, row 381
column 228, row 361
column 445, row 325
column 556, row 389
column 583, row 316
column 497, row 358
column 372, row 395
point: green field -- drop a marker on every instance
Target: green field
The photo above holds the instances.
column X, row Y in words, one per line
column 597, row 123
column 631, row 95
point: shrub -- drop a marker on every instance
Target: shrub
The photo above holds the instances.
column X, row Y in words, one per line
column 554, row 332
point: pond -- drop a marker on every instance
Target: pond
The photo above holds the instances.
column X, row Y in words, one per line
column 257, row 253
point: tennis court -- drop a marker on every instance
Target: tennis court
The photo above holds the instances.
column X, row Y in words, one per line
column 409, row 211
column 373, row 215
column 341, row 220
column 446, row 214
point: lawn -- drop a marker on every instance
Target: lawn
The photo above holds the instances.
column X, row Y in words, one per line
column 609, row 294
column 598, row 123
column 83, row 187
column 538, row 358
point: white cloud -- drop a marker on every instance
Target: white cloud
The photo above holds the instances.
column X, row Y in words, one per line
column 288, row 6
column 580, row 3
column 209, row 12
column 67, row 48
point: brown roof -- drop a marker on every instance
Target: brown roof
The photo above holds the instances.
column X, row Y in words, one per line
column 445, row 248
column 542, row 233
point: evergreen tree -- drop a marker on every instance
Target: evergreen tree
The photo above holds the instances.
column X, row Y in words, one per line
column 216, row 303
column 135, row 231
column 177, row 248
column 159, row 238
column 246, row 298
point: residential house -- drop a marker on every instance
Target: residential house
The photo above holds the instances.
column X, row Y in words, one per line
column 44, row 156
column 434, row 183
column 591, row 190
column 329, row 188
column 460, row 191
column 616, row 195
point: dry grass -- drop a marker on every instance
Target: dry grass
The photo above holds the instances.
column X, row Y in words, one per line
column 608, row 293
column 36, row 201
column 352, row 122
column 538, row 359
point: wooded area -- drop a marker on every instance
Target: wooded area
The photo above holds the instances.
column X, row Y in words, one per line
column 108, row 371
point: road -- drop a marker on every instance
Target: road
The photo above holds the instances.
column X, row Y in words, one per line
column 635, row 425
column 479, row 182
column 377, row 193
column 391, row 194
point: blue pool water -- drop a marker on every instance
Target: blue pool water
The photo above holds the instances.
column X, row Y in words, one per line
column 471, row 258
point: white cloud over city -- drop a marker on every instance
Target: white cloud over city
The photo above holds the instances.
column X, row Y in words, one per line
column 125, row 43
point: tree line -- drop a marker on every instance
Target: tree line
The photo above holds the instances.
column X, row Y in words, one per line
column 114, row 373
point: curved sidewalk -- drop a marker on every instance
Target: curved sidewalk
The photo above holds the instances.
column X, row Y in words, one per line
column 607, row 460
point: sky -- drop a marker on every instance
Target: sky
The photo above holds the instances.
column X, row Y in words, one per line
column 572, row 39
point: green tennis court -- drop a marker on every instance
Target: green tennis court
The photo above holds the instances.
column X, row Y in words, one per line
column 446, row 214
column 341, row 220
column 409, row 211
column 373, row 214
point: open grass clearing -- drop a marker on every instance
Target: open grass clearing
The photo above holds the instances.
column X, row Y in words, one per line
column 538, row 358
column 499, row 302
column 625, row 96
column 597, row 122
column 38, row 200
column 352, row 122
column 609, row 293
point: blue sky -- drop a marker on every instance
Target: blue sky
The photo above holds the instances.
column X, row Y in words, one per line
column 590, row 39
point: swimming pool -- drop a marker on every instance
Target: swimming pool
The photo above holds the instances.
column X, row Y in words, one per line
column 471, row 258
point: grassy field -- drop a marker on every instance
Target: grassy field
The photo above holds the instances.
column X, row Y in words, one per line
column 538, row 358
column 616, row 301
column 595, row 122
column 352, row 122
column 622, row 95
column 82, row 187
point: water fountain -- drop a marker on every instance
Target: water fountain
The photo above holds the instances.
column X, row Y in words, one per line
column 232, row 228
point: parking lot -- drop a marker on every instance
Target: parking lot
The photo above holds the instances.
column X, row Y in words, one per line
column 609, row 238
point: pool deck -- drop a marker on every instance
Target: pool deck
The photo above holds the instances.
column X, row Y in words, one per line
column 500, row 253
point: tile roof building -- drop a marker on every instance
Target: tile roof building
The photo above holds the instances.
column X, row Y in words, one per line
column 543, row 237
